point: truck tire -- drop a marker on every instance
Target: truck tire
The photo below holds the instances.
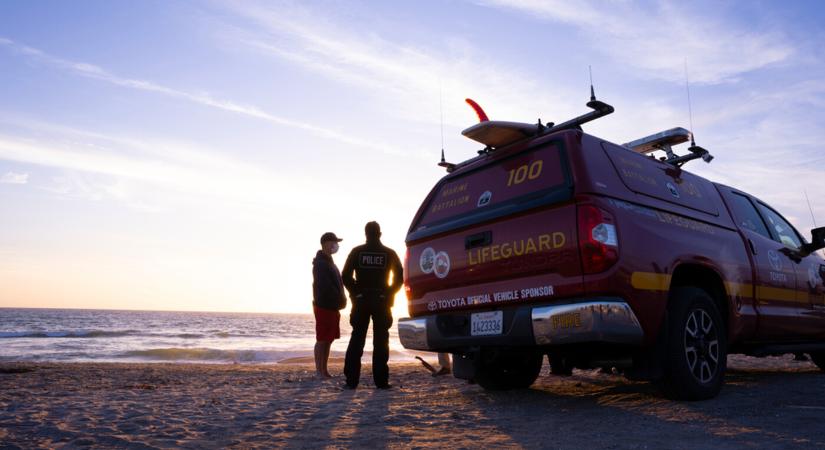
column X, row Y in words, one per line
column 819, row 359
column 696, row 351
column 500, row 369
column 559, row 365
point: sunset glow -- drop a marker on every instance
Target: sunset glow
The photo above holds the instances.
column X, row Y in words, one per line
column 188, row 156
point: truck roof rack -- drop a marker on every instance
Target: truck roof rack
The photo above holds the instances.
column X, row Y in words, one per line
column 495, row 134
column 498, row 134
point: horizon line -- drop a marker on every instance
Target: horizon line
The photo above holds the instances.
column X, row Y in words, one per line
column 154, row 310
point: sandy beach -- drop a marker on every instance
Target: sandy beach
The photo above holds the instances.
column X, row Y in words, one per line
column 767, row 403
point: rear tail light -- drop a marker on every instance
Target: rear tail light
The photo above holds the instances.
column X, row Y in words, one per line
column 407, row 290
column 598, row 241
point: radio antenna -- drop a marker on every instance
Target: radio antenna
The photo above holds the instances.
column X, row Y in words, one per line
column 602, row 108
column 812, row 212
column 592, row 92
column 809, row 206
column 441, row 110
column 690, row 108
column 443, row 163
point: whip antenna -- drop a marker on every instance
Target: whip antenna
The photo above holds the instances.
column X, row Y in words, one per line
column 443, row 163
column 809, row 206
column 441, row 110
column 601, row 108
column 690, row 108
column 667, row 139
column 812, row 212
column 592, row 92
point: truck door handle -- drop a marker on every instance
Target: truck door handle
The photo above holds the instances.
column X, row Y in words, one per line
column 753, row 247
column 478, row 240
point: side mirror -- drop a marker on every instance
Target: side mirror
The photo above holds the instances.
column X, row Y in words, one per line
column 817, row 241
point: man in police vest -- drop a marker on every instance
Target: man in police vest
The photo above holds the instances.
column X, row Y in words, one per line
column 372, row 298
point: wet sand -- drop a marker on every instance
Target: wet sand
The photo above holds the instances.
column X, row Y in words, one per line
column 767, row 403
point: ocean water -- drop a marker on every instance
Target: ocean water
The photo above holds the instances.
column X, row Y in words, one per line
column 76, row 335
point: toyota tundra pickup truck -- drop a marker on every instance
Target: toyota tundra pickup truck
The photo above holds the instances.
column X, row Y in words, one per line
column 555, row 242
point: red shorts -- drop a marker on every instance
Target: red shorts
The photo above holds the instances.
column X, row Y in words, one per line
column 327, row 326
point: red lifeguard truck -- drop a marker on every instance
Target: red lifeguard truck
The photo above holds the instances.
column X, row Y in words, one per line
column 555, row 242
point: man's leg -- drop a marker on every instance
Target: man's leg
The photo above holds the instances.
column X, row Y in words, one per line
column 319, row 358
column 444, row 362
column 381, row 323
column 360, row 321
column 325, row 359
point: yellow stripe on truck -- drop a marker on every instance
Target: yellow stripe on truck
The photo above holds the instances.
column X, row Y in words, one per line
column 778, row 294
column 650, row 281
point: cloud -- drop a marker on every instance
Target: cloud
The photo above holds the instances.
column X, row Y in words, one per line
column 743, row 133
column 392, row 66
column 656, row 40
column 204, row 99
column 14, row 178
column 131, row 166
column 411, row 74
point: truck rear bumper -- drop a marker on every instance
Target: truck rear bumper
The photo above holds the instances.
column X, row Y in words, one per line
column 608, row 320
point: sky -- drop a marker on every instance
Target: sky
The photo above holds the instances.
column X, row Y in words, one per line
column 188, row 155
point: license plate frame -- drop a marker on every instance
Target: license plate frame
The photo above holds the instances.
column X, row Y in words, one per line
column 488, row 323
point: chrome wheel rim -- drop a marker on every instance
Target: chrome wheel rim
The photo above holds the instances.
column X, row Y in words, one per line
column 701, row 346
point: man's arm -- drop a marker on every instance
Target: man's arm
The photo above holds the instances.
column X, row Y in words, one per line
column 322, row 288
column 397, row 274
column 346, row 274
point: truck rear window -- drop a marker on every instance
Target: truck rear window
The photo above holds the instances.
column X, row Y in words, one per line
column 525, row 180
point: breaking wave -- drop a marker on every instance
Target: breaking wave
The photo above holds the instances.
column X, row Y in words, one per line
column 206, row 354
column 189, row 335
column 110, row 334
column 66, row 334
column 241, row 356
column 157, row 336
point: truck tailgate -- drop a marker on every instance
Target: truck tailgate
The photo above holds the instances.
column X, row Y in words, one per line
column 532, row 257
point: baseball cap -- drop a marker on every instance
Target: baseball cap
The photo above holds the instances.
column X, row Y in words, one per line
column 328, row 236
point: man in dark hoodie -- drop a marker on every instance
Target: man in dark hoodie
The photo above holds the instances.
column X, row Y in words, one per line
column 372, row 298
column 328, row 299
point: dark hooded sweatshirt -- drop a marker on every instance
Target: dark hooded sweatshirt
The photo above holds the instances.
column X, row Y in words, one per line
column 327, row 287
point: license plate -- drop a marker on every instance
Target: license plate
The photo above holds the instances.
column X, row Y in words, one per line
column 486, row 323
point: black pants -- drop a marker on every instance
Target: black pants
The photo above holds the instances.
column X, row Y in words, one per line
column 364, row 308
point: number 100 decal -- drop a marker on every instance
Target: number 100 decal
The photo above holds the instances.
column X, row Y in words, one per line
column 525, row 172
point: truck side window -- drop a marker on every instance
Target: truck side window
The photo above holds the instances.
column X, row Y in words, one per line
column 782, row 230
column 747, row 216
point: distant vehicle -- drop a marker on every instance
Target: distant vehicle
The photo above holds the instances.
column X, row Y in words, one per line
column 555, row 242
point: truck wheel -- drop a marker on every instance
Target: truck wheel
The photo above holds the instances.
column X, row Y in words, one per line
column 696, row 356
column 508, row 369
column 819, row 359
column 559, row 365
